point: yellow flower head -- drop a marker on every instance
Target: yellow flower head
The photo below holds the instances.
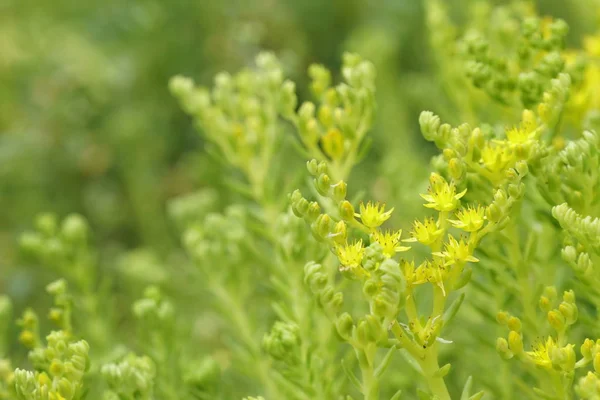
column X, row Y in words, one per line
column 591, row 44
column 425, row 232
column 541, row 353
column 350, row 255
column 496, row 157
column 442, row 195
column 469, row 219
column 432, row 271
column 408, row 269
column 373, row 214
column 457, row 252
column 389, row 242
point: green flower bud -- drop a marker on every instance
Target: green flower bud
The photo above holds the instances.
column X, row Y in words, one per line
column 345, row 325
column 312, row 167
column 339, row 191
column 306, row 111
column 336, row 302
column 323, row 184
column 288, row 98
column 514, row 324
column 493, row 213
column 564, row 357
column 550, row 292
column 556, row 320
column 370, row 288
column 429, row 124
column 515, row 342
column 346, row 211
column 31, row 243
column 522, row 168
column 314, row 210
column 569, row 254
column 456, row 168
column 75, row 229
column 597, row 363
column 322, row 226
column 502, row 317
column 545, row 304
column 569, row 311
column 502, row 349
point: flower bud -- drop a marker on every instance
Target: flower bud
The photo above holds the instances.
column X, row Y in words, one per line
column 370, row 288
column 346, row 211
column 314, row 210
column 456, row 168
column 312, row 167
column 323, row 184
column 493, row 213
column 514, row 324
column 515, row 342
column 344, row 325
column 502, row 317
column 569, row 311
column 545, row 304
column 300, row 208
column 339, row 191
column 47, row 224
column 322, row 226
column 556, row 320
column 340, row 233
column 569, row 254
column 522, row 168
column 502, row 348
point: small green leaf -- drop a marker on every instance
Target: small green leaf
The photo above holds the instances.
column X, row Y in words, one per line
column 351, row 376
column 443, row 371
column 385, row 362
column 466, row 392
column 453, row 309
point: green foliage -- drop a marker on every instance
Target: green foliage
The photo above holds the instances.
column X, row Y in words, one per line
column 279, row 233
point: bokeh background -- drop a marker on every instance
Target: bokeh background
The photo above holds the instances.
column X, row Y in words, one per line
column 87, row 124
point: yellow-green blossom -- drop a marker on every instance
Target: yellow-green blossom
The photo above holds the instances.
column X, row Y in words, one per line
column 373, row 214
column 426, row 232
column 442, row 195
column 541, row 353
column 389, row 241
column 469, row 219
column 456, row 252
column 432, row 271
column 350, row 255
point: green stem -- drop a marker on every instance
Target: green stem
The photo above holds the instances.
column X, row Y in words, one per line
column 242, row 327
column 370, row 383
column 522, row 273
column 430, row 367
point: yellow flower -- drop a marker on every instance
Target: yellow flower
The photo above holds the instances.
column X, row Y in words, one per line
column 456, row 251
column 333, row 144
column 469, row 219
column 541, row 353
column 496, row 158
column 389, row 242
column 526, row 131
column 425, row 232
column 432, row 271
column 442, row 195
column 373, row 214
column 591, row 44
column 408, row 269
column 350, row 255
column 44, row 379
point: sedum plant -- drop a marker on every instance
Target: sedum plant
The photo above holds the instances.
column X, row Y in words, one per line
column 293, row 280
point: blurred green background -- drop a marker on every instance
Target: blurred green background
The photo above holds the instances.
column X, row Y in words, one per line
column 87, row 124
